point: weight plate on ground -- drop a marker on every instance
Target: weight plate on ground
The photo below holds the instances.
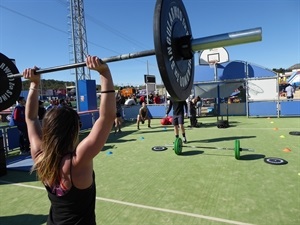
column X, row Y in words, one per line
column 178, row 146
column 171, row 22
column 294, row 133
column 10, row 88
column 275, row 161
column 237, row 149
column 159, row 148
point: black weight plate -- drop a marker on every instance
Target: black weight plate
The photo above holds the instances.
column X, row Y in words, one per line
column 159, row 148
column 297, row 133
column 170, row 23
column 10, row 88
column 275, row 161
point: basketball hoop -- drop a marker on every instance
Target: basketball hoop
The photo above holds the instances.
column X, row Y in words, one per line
column 212, row 63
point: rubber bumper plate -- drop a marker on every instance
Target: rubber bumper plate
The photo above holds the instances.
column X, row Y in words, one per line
column 275, row 161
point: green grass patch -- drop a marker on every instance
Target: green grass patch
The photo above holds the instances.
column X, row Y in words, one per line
column 136, row 185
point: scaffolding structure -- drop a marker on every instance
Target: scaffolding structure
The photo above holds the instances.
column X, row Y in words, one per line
column 78, row 41
column 78, row 38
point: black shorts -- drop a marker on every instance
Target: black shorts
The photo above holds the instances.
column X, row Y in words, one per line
column 178, row 120
column 118, row 114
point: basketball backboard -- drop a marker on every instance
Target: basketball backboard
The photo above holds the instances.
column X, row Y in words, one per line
column 212, row 56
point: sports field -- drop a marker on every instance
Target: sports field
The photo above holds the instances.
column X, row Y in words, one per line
column 207, row 186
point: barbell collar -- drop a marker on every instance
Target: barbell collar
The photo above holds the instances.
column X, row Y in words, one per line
column 184, row 49
column 220, row 40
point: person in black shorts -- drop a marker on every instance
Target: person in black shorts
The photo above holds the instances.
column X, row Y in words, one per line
column 180, row 109
column 193, row 111
column 119, row 119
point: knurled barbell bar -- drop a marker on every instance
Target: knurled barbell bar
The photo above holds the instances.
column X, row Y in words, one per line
column 174, row 49
column 178, row 145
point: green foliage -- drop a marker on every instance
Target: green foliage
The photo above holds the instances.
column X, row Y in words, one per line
column 49, row 84
column 280, row 70
column 56, row 84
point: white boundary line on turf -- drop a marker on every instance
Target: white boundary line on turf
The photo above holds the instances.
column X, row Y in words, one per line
column 146, row 207
column 246, row 128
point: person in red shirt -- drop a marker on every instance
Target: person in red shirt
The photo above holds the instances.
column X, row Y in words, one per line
column 156, row 99
column 142, row 99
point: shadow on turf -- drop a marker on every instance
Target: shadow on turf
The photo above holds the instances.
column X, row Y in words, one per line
column 143, row 129
column 14, row 176
column 116, row 137
column 153, row 129
column 247, row 157
column 252, row 157
column 190, row 153
column 24, row 219
column 107, row 147
column 221, row 139
column 205, row 125
column 197, row 152
column 112, row 135
column 211, row 124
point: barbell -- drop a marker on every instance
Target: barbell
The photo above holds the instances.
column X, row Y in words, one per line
column 174, row 49
column 177, row 146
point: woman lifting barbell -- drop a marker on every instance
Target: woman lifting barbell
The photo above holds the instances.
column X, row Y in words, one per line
column 63, row 164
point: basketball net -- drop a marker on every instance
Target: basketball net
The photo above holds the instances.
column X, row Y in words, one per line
column 212, row 63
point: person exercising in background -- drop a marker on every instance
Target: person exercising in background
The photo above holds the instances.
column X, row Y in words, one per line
column 119, row 113
column 242, row 94
column 193, row 111
column 180, row 109
column 62, row 162
column 143, row 115
column 20, row 122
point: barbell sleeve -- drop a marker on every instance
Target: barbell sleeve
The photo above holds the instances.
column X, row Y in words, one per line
column 227, row 39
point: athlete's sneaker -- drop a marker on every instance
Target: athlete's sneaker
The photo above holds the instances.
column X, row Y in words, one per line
column 184, row 140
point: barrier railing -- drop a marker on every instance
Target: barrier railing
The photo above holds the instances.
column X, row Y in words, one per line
column 11, row 134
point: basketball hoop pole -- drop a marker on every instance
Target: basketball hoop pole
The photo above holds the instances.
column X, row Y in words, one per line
column 215, row 71
column 213, row 64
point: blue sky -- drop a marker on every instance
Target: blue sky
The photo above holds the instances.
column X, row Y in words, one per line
column 35, row 32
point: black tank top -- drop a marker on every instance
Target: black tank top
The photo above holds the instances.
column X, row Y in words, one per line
column 77, row 207
column 178, row 107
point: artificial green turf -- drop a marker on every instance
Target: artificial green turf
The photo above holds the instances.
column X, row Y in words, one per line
column 200, row 182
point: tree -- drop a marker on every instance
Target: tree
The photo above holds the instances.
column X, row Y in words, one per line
column 50, row 84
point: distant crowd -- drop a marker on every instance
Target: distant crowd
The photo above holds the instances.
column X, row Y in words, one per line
column 138, row 100
column 58, row 103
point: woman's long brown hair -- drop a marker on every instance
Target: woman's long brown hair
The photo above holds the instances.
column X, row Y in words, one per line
column 60, row 135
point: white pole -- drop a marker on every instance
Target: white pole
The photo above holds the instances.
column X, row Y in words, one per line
column 147, row 84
